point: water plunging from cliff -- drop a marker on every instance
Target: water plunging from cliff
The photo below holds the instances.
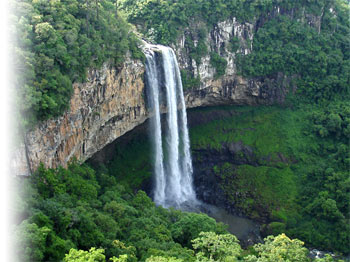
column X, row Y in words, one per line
column 173, row 168
column 171, row 144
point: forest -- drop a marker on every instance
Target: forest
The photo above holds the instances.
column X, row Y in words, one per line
column 296, row 185
column 55, row 43
column 67, row 213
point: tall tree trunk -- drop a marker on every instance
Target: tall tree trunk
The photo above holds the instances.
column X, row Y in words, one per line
column 116, row 8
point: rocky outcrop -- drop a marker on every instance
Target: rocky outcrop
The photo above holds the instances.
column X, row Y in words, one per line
column 104, row 108
column 112, row 101
column 231, row 88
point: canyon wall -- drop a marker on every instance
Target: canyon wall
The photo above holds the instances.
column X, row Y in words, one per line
column 108, row 105
column 113, row 100
column 231, row 88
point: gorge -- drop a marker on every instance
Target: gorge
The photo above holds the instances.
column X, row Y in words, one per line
column 112, row 102
column 242, row 105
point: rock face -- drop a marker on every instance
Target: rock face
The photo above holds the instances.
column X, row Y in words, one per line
column 208, row 185
column 104, row 108
column 230, row 88
column 112, row 101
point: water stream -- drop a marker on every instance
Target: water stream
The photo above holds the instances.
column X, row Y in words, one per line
column 172, row 158
column 171, row 145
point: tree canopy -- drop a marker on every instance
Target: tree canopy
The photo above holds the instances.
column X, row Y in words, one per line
column 55, row 43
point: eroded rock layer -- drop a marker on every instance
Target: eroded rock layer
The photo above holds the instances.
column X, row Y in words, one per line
column 104, row 108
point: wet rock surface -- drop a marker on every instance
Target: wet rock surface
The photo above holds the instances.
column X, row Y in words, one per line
column 207, row 183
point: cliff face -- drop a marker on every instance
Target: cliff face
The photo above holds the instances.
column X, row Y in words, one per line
column 112, row 101
column 104, row 108
column 230, row 88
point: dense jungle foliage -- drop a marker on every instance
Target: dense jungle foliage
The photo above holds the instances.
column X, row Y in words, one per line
column 55, row 43
column 165, row 20
column 76, row 208
column 319, row 61
column 67, row 213
column 298, row 182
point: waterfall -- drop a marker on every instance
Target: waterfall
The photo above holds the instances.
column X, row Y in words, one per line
column 173, row 167
column 153, row 86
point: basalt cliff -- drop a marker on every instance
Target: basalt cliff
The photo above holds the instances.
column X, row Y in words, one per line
column 113, row 100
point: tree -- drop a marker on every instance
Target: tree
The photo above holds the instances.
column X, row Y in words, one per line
column 211, row 247
column 190, row 225
column 279, row 249
column 219, row 63
column 97, row 15
column 31, row 241
column 121, row 258
column 55, row 43
column 142, row 201
column 163, row 259
column 93, row 255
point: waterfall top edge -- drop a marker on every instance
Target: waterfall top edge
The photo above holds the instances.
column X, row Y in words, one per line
column 151, row 48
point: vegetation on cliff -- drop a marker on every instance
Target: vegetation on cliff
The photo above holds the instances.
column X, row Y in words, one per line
column 306, row 40
column 165, row 20
column 319, row 61
column 55, row 43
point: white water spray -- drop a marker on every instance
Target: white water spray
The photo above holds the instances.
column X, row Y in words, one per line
column 173, row 169
column 153, row 85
